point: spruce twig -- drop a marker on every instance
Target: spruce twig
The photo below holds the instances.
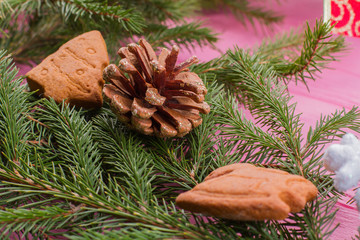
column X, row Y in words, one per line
column 52, row 23
column 318, row 49
column 293, row 56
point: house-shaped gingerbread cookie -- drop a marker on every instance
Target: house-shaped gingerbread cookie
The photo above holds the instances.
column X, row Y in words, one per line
column 74, row 72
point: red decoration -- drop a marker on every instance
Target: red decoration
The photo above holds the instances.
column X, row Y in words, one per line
column 344, row 15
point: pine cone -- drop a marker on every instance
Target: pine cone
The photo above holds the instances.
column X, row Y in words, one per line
column 152, row 94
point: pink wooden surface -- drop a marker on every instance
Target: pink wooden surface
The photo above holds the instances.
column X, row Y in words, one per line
column 333, row 89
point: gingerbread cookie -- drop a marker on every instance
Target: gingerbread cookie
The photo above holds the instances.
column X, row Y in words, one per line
column 244, row 192
column 74, row 72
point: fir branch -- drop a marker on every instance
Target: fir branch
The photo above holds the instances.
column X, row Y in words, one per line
column 5, row 8
column 293, row 56
column 257, row 82
column 14, row 106
column 319, row 228
column 318, row 49
column 126, row 160
column 332, row 125
column 33, row 221
column 186, row 35
column 16, row 130
column 124, row 234
column 129, row 19
column 77, row 9
column 282, row 45
column 244, row 10
column 53, row 22
column 269, row 104
column 73, row 136
column 24, row 42
column 161, row 217
column 243, row 132
column 92, row 9
column 158, row 11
